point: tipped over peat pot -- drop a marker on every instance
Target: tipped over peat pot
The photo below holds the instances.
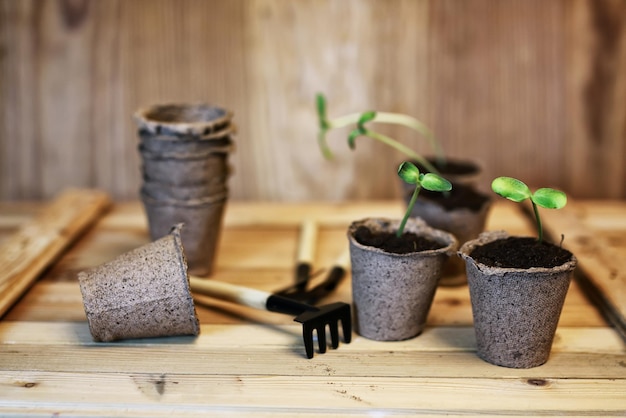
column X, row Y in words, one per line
column 463, row 212
column 142, row 293
column 517, row 290
column 184, row 150
column 393, row 288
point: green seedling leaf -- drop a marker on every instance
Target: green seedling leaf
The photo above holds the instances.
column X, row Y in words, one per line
column 435, row 183
column 409, row 173
column 510, row 188
column 517, row 191
column 320, row 102
column 549, row 198
column 360, row 129
column 352, row 138
column 366, row 117
column 324, row 126
column 430, row 181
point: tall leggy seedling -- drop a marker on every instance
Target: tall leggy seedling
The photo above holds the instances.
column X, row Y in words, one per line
column 360, row 119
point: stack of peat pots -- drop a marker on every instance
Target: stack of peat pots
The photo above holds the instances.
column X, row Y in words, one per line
column 184, row 150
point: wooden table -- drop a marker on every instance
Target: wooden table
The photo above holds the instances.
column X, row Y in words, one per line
column 251, row 363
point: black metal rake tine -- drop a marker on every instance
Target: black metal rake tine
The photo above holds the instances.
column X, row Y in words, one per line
column 311, row 317
column 328, row 315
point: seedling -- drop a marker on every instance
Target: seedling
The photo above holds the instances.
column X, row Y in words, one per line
column 429, row 181
column 518, row 191
column 360, row 119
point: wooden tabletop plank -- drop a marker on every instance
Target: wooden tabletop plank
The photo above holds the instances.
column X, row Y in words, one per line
column 596, row 233
column 38, row 242
column 248, row 362
column 159, row 394
column 259, row 256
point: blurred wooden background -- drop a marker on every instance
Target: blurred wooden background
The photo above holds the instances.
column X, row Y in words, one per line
column 534, row 89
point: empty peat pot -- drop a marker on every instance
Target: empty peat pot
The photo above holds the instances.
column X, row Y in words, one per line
column 203, row 220
column 174, row 119
column 515, row 310
column 392, row 293
column 184, row 150
column 142, row 293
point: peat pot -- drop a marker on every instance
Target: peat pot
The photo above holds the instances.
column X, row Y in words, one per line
column 392, row 293
column 515, row 310
column 142, row 293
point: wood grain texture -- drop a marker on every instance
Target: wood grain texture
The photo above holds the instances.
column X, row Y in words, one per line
column 531, row 89
column 38, row 243
column 596, row 233
column 248, row 362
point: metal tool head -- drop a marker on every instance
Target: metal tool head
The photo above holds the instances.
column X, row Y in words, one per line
column 325, row 316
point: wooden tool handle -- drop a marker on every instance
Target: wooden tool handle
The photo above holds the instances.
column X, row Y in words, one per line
column 230, row 292
column 246, row 296
column 307, row 242
column 343, row 260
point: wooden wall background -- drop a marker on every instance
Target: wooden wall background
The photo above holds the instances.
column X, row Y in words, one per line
column 534, row 89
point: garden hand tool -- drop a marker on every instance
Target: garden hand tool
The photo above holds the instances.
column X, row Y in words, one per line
column 311, row 317
column 303, row 270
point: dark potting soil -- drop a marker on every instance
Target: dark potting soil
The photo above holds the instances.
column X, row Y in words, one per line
column 452, row 167
column 388, row 241
column 461, row 196
column 520, row 252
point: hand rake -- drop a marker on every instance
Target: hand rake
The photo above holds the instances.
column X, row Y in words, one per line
column 312, row 318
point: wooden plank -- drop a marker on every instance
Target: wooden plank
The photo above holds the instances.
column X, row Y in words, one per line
column 578, row 340
column 242, row 260
column 38, row 243
column 595, row 87
column 177, row 394
column 596, row 235
column 496, row 81
column 57, row 367
column 250, row 362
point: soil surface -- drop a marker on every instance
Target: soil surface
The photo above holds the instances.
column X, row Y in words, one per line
column 521, row 252
column 407, row 243
column 461, row 196
column 455, row 167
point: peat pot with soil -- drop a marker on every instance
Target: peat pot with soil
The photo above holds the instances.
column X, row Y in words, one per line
column 517, row 285
column 396, row 266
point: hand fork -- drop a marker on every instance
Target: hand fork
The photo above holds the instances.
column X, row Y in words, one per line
column 312, row 318
column 303, row 270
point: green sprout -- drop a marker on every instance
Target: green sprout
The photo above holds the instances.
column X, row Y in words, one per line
column 518, row 191
column 429, row 181
column 360, row 119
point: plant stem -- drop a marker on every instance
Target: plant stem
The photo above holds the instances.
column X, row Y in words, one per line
column 408, row 210
column 402, row 148
column 412, row 123
column 539, row 226
column 343, row 121
column 398, row 119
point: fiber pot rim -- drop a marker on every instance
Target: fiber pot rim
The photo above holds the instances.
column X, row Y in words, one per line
column 425, row 202
column 180, row 155
column 218, row 198
column 146, row 118
column 415, row 225
column 490, row 236
column 229, row 129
